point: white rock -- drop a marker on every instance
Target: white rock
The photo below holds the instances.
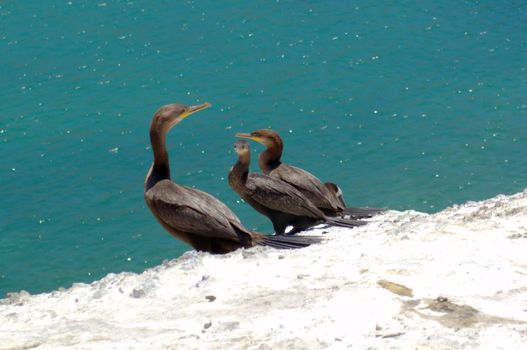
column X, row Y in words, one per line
column 453, row 280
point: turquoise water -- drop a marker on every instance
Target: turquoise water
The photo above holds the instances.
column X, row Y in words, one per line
column 407, row 105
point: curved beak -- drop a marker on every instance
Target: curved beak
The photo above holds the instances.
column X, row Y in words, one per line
column 189, row 111
column 243, row 135
column 250, row 137
column 196, row 108
column 192, row 110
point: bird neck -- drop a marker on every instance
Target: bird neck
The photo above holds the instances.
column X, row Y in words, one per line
column 240, row 171
column 270, row 158
column 160, row 169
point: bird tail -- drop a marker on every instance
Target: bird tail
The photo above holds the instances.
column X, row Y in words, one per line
column 286, row 242
column 361, row 213
column 342, row 222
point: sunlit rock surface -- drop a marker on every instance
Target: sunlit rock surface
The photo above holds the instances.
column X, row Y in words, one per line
column 453, row 280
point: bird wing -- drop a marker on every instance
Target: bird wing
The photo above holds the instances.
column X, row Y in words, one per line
column 308, row 184
column 279, row 195
column 189, row 210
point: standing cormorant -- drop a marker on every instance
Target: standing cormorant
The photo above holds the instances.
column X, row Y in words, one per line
column 282, row 203
column 190, row 215
column 320, row 195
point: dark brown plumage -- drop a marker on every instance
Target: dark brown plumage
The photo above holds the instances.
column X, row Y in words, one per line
column 282, row 203
column 190, row 215
column 322, row 196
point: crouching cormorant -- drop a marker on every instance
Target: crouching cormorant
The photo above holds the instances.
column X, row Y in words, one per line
column 282, row 203
column 190, row 215
column 324, row 197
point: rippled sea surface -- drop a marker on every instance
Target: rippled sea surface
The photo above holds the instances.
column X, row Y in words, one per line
column 407, row 105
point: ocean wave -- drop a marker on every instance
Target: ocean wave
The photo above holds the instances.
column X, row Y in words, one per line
column 454, row 279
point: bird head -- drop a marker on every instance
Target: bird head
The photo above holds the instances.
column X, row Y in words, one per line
column 266, row 137
column 241, row 147
column 169, row 115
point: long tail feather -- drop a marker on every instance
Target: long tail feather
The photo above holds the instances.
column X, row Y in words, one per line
column 361, row 213
column 288, row 242
column 344, row 222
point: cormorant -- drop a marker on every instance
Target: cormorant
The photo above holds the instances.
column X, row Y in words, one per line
column 190, row 215
column 311, row 187
column 282, row 203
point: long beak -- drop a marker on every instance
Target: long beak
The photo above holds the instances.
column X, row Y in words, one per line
column 250, row 137
column 197, row 108
column 190, row 110
column 243, row 135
